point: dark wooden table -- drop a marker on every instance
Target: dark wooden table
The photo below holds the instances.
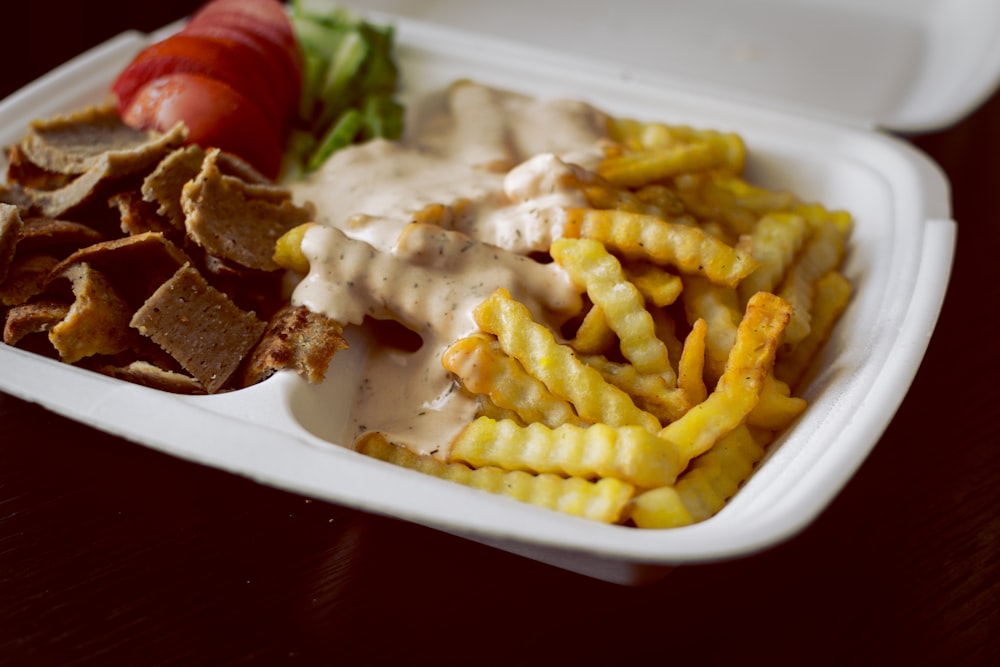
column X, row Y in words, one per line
column 111, row 554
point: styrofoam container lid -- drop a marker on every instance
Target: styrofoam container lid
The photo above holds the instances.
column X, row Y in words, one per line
column 902, row 65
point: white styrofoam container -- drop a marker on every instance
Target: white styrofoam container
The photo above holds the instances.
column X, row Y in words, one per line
column 289, row 434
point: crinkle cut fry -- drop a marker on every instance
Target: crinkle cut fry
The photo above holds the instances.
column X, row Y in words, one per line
column 832, row 294
column 604, row 500
column 594, row 335
column 777, row 407
column 738, row 390
column 657, row 393
column 556, row 365
column 691, row 367
column 704, row 488
column 728, row 199
column 658, row 152
column 822, row 252
column 639, row 135
column 636, row 236
column 659, row 287
column 591, row 266
column 483, row 368
column 629, row 453
column 720, row 308
column 775, row 240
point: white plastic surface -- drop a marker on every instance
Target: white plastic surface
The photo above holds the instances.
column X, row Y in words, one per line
column 903, row 65
column 287, row 433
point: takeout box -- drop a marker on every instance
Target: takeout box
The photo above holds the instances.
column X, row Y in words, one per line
column 813, row 87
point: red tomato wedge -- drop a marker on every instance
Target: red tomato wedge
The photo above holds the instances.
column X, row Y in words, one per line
column 283, row 73
column 267, row 17
column 216, row 115
column 237, row 64
column 264, row 19
column 233, row 74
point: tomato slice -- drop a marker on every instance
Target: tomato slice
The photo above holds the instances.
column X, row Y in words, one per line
column 246, row 69
column 265, row 19
column 215, row 114
column 282, row 71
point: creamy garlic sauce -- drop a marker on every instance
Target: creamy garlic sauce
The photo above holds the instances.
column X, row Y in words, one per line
column 495, row 158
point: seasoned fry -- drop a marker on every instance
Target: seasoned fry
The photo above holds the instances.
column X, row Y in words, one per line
column 702, row 490
column 654, row 392
column 777, row 408
column 590, row 265
column 603, row 500
column 556, row 365
column 594, row 335
column 728, row 199
column 739, row 388
column 645, row 237
column 659, row 287
column 832, row 294
column 659, row 164
column 288, row 249
column 821, row 254
column 639, row 135
column 775, row 240
column 691, row 367
column 720, row 308
column 483, row 367
column 629, row 453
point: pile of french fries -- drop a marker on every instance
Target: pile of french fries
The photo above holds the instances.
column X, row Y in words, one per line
column 707, row 300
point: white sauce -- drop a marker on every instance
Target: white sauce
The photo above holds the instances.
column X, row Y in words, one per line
column 368, row 259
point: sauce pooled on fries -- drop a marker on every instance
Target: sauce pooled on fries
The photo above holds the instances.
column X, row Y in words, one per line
column 491, row 161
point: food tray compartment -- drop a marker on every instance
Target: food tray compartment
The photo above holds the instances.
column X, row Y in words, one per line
column 289, row 434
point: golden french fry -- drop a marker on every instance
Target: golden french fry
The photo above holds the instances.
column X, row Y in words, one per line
column 691, row 367
column 657, row 286
column 659, row 164
column 591, row 266
column 728, row 199
column 629, row 453
column 484, row 368
column 604, row 195
column 704, row 488
column 487, row 408
column 638, row 135
column 775, row 240
column 288, row 249
column 594, row 335
column 777, row 408
column 662, row 507
column 644, row 237
column 604, row 500
column 815, row 213
column 556, row 365
column 738, row 390
column 832, row 294
column 662, row 200
column 656, row 393
column 720, row 308
column 822, row 252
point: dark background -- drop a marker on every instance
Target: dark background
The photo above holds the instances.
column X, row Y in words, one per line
column 111, row 554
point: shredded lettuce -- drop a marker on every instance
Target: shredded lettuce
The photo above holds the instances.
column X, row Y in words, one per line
column 349, row 84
